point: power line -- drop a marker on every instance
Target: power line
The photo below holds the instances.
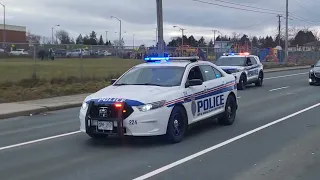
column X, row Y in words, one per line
column 248, row 6
column 243, row 9
column 261, row 22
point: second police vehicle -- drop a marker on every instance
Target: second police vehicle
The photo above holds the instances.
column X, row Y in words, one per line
column 162, row 96
column 314, row 74
column 245, row 67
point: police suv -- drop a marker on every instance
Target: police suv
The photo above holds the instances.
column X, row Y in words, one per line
column 314, row 74
column 245, row 67
column 162, row 96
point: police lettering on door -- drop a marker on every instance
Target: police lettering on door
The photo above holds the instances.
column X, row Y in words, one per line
column 210, row 104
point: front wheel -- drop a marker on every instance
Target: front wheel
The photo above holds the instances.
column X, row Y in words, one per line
column 242, row 82
column 260, row 80
column 229, row 114
column 177, row 125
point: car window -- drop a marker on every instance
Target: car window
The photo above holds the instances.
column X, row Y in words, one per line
column 208, row 72
column 218, row 74
column 248, row 61
column 253, row 60
column 231, row 61
column 318, row 64
column 153, row 75
column 195, row 73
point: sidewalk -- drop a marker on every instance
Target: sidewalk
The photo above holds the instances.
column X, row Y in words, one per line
column 8, row 110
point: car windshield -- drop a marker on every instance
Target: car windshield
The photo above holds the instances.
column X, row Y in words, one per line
column 317, row 64
column 231, row 61
column 153, row 76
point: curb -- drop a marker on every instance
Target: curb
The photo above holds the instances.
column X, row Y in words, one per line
column 288, row 69
column 39, row 110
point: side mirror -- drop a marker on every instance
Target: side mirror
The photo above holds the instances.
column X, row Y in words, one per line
column 113, row 80
column 193, row 82
column 312, row 66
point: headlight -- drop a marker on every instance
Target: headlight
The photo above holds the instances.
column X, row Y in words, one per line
column 151, row 106
column 84, row 105
column 311, row 71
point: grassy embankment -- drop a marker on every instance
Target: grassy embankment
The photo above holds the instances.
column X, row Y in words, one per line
column 60, row 77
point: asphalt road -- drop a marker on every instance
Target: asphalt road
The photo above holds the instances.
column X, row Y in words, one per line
column 286, row 149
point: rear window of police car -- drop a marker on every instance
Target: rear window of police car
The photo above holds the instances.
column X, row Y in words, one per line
column 231, row 61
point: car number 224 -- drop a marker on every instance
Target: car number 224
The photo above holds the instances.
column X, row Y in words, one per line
column 132, row 122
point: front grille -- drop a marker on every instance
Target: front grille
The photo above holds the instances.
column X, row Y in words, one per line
column 107, row 112
column 317, row 74
column 111, row 112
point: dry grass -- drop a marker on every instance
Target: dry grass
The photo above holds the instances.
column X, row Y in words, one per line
column 63, row 76
column 16, row 69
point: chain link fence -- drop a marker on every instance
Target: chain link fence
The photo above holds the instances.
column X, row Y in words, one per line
column 26, row 61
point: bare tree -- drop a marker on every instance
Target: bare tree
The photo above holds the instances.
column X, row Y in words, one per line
column 33, row 38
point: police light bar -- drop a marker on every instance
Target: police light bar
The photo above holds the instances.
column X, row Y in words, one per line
column 165, row 59
column 232, row 54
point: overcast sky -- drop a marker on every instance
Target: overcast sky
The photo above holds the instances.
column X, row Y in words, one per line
column 139, row 17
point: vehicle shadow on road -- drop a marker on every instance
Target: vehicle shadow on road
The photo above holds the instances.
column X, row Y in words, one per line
column 196, row 130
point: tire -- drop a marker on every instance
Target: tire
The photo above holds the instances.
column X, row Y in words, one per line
column 260, row 79
column 177, row 125
column 242, row 82
column 230, row 111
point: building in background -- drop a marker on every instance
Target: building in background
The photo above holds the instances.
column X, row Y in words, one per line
column 14, row 34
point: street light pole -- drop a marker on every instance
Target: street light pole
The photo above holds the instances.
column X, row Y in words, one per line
column 120, row 29
column 4, row 24
column 52, row 32
column 160, row 28
column 182, row 31
column 133, row 42
column 287, row 36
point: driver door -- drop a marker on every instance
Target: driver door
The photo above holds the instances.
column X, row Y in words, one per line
column 191, row 94
column 250, row 69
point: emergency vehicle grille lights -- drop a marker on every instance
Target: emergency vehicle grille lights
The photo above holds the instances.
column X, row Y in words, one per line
column 118, row 105
column 232, row 54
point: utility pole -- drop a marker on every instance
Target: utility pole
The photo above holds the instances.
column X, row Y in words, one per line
column 287, row 36
column 156, row 36
column 214, row 36
column 4, row 25
column 133, row 42
column 106, row 37
column 160, row 28
column 279, row 28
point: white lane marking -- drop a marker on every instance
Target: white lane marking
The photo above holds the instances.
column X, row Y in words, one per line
column 289, row 75
column 276, row 89
column 38, row 140
column 181, row 161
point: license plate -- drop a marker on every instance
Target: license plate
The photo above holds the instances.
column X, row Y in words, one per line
column 105, row 125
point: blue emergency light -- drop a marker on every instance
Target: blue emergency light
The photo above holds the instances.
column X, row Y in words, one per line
column 156, row 59
column 165, row 59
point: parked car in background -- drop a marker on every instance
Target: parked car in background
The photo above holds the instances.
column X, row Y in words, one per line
column 60, row 52
column 77, row 53
column 18, row 52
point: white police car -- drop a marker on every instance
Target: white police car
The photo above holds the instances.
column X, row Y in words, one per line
column 245, row 67
column 161, row 97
